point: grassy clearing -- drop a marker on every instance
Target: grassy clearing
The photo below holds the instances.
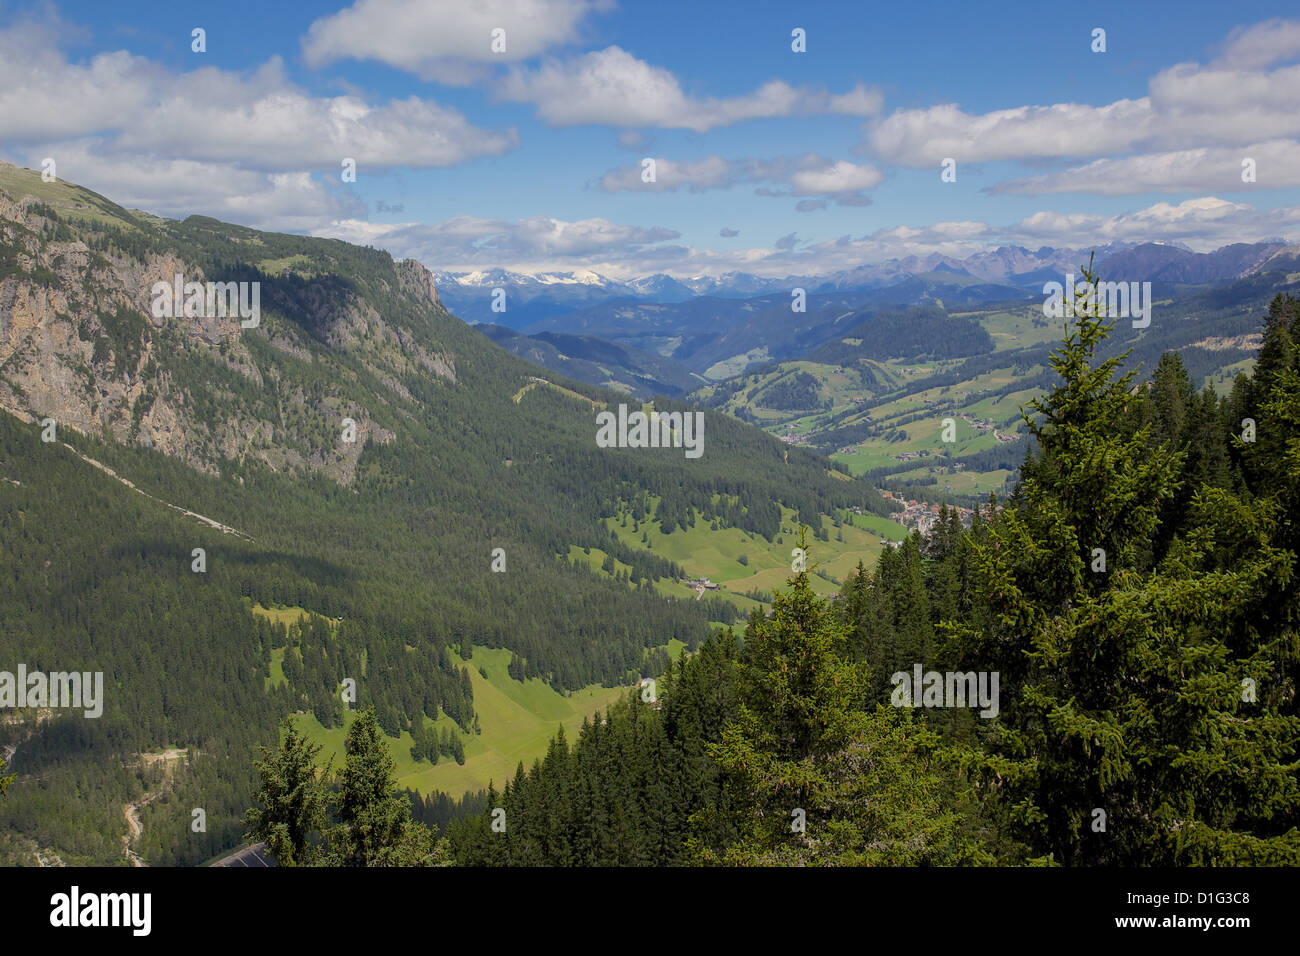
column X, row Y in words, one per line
column 277, row 668
column 519, row 395
column 1222, row 380
column 718, row 554
column 298, row 264
column 517, row 719
column 285, row 615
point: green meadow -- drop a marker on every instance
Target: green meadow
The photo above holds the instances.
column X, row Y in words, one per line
column 855, row 400
column 517, row 720
column 717, row 555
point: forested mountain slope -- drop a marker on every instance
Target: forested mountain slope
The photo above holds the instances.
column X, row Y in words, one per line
column 391, row 533
column 1131, row 610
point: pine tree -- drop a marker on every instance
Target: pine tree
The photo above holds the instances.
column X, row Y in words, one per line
column 1123, row 685
column 375, row 821
column 557, row 782
column 865, row 785
column 290, row 798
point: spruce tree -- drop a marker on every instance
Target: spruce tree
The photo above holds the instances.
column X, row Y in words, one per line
column 811, row 778
column 290, row 798
column 1128, row 733
column 375, row 821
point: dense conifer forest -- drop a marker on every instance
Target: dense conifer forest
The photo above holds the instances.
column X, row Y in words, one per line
column 391, row 563
column 1136, row 596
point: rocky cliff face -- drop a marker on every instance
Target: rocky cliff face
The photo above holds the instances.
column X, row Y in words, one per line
column 79, row 341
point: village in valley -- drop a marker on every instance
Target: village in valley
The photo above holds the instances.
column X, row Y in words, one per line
column 922, row 516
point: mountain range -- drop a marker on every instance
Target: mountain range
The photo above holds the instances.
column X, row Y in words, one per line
column 531, row 297
column 716, row 335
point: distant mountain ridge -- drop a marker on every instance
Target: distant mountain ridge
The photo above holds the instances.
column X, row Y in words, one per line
column 534, row 298
column 722, row 332
column 1154, row 262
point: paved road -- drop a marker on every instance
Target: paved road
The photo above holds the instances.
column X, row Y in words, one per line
column 255, row 855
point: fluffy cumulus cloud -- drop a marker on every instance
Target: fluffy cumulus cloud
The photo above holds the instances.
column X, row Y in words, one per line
column 43, row 96
column 834, row 179
column 266, row 123
column 1261, row 44
column 612, row 87
column 807, row 175
column 1271, row 165
column 1202, row 224
column 241, row 146
column 259, row 120
column 925, row 137
column 183, row 187
column 444, row 39
column 1184, row 128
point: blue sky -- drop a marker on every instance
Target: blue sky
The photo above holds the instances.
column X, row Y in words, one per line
column 767, row 160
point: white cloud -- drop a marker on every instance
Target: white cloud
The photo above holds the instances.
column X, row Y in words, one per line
column 1232, row 102
column 424, row 37
column 266, row 123
column 1203, row 224
column 807, row 175
column 1217, row 169
column 258, row 120
column 1261, row 44
column 612, row 87
column 840, row 177
column 42, row 96
column 287, row 201
column 467, row 240
column 623, row 251
column 924, row 137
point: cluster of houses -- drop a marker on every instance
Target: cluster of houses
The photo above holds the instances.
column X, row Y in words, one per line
column 917, row 516
column 986, row 425
column 912, row 455
column 922, row 516
column 700, row 585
